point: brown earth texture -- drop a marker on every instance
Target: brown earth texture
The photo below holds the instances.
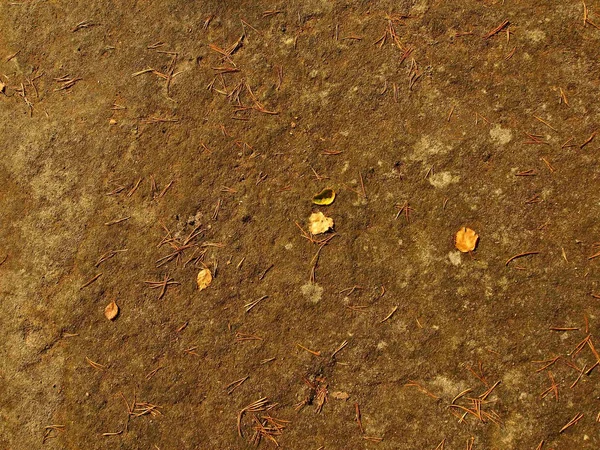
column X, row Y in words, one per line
column 143, row 142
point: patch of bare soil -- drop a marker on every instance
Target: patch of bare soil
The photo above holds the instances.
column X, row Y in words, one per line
column 164, row 156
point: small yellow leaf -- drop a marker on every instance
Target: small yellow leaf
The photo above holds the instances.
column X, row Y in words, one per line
column 204, row 279
column 325, row 197
column 319, row 223
column 111, row 311
column 466, row 240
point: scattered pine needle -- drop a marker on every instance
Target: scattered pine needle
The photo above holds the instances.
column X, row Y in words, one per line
column 421, row 388
column 572, row 422
column 520, row 255
column 309, row 350
column 497, row 30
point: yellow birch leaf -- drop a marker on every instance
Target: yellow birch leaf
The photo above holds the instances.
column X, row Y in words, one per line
column 325, row 197
column 466, row 240
column 319, row 223
column 111, row 311
column 204, row 279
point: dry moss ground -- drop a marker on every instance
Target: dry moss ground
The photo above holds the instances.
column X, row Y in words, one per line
column 423, row 115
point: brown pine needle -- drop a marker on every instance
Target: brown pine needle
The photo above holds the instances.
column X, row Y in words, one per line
column 141, row 72
column 248, row 306
column 12, row 55
column 566, row 144
column 112, row 434
column 588, row 140
column 510, row 54
column 526, row 173
column 95, row 365
column 262, row 404
column 91, row 281
column 545, row 123
column 450, row 113
column 114, row 222
column 390, row 314
column 520, row 255
column 267, row 360
column 153, row 372
column 466, row 411
column 49, row 429
column 572, row 422
column 235, row 384
column 362, row 185
column 309, row 350
column 241, row 337
column 593, row 349
column 578, row 377
column 164, row 191
column 497, row 30
column 358, row 417
column 460, row 395
column 487, row 393
column 580, row 346
column 163, row 285
column 339, row 349
column 272, row 12
column 550, row 168
column 144, row 408
column 553, row 387
column 108, row 255
column 563, row 97
column 421, row 388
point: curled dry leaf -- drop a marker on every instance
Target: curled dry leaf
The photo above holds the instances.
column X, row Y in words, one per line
column 111, row 311
column 466, row 240
column 325, row 197
column 204, row 279
column 319, row 223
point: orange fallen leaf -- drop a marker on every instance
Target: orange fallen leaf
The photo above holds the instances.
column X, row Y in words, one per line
column 111, row 311
column 466, row 240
